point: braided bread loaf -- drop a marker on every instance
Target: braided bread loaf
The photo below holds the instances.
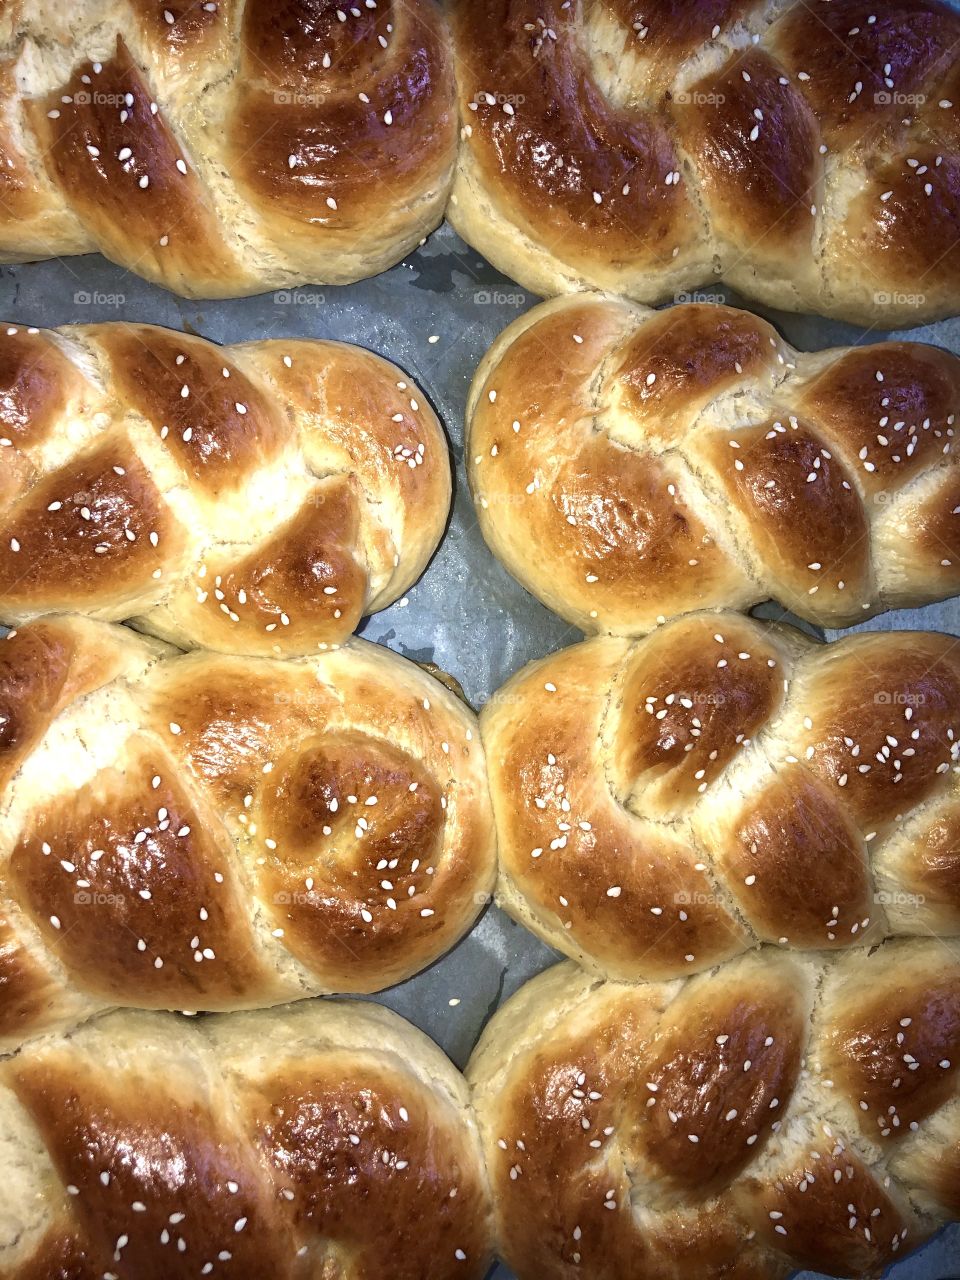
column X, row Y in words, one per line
column 323, row 1141
column 807, row 152
column 629, row 465
column 253, row 499
column 229, row 146
column 778, row 1113
column 664, row 804
column 215, row 832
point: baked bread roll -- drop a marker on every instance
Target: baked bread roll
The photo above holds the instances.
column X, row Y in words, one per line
column 214, row 832
column 664, row 804
column 254, row 499
column 780, row 1113
column 808, row 154
column 629, row 465
column 225, row 148
column 320, row 1140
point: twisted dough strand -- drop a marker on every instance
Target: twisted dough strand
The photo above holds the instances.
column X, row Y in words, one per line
column 806, row 153
column 778, row 1113
column 254, row 499
column 144, row 1147
column 664, row 804
column 630, row 465
column 216, row 832
column 228, row 147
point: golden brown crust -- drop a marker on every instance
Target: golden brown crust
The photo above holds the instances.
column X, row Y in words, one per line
column 711, row 1128
column 717, row 1069
column 94, row 529
column 226, row 149
column 807, row 154
column 898, row 426
column 182, row 1153
column 220, row 440
column 584, row 178
column 815, row 1217
column 687, row 710
column 630, row 465
column 800, row 509
column 662, row 804
column 212, row 832
column 757, row 158
column 134, row 843
column 905, row 43
column 38, row 385
column 895, row 1052
column 258, row 499
column 583, row 871
column 373, row 148
column 695, row 354
column 44, row 668
column 892, row 748
column 773, row 857
column 127, row 178
column 312, row 811
column 258, row 1145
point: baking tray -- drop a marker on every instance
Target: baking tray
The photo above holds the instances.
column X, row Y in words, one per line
column 466, row 614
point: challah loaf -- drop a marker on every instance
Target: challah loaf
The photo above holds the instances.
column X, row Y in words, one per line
column 663, row 804
column 225, row 147
column 629, row 465
column 808, row 153
column 215, row 832
column 323, row 1141
column 778, row 1113
column 254, row 499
